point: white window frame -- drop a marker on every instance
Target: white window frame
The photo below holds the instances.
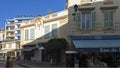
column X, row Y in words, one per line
column 81, row 24
column 31, row 36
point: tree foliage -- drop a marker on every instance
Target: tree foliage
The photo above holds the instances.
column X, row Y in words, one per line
column 56, row 43
column 53, row 45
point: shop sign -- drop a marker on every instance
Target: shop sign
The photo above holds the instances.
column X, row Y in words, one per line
column 109, row 49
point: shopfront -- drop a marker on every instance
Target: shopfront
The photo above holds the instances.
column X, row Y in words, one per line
column 104, row 47
column 33, row 52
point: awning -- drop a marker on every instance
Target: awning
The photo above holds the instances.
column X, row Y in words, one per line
column 28, row 49
column 96, row 43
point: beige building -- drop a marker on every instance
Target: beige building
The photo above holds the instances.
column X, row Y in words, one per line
column 94, row 26
column 35, row 32
column 94, row 17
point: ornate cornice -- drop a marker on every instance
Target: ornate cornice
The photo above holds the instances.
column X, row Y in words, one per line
column 54, row 19
column 108, row 7
column 39, row 21
column 28, row 25
column 86, row 8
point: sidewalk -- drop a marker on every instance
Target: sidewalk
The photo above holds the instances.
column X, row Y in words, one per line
column 3, row 63
column 31, row 64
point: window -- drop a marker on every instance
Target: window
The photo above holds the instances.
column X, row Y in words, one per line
column 26, row 34
column 54, row 30
column 10, row 46
column 18, row 37
column 47, row 31
column 108, row 19
column 85, row 20
column 32, row 33
column 0, row 46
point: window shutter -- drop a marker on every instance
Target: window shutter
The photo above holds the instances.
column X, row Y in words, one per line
column 93, row 20
column 108, row 19
column 78, row 20
column 105, row 19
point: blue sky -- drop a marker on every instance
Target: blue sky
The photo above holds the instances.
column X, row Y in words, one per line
column 12, row 8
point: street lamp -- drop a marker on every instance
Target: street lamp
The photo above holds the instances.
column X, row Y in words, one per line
column 75, row 7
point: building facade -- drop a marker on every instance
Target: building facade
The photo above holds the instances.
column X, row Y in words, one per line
column 2, row 34
column 2, row 37
column 94, row 26
column 11, row 43
column 36, row 32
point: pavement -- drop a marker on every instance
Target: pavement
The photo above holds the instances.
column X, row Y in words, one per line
column 33, row 64
column 3, row 63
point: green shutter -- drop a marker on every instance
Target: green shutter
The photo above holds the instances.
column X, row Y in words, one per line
column 105, row 19
column 78, row 19
column 93, row 20
column 108, row 19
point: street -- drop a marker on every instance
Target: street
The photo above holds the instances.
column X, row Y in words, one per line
column 2, row 65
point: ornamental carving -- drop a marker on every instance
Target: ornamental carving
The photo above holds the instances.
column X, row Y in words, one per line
column 39, row 22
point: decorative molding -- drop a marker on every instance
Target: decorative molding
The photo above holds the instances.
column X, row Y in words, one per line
column 108, row 2
column 86, row 9
column 57, row 18
column 108, row 7
column 28, row 25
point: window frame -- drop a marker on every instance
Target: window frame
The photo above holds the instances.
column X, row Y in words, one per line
column 109, row 20
column 26, row 35
column 54, row 30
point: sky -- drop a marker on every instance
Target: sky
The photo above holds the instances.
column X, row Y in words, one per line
column 10, row 9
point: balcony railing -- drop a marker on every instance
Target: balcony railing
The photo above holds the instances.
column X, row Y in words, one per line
column 17, row 28
column 10, row 30
column 54, row 15
column 18, row 34
column 8, row 40
column 10, row 36
column 17, row 23
column 10, row 24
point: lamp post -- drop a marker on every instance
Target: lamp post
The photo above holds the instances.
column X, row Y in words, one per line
column 75, row 7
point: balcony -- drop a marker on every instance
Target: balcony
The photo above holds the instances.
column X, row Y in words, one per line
column 17, row 29
column 10, row 30
column 10, row 36
column 18, row 34
column 18, row 40
column 8, row 40
column 10, row 24
column 17, row 23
